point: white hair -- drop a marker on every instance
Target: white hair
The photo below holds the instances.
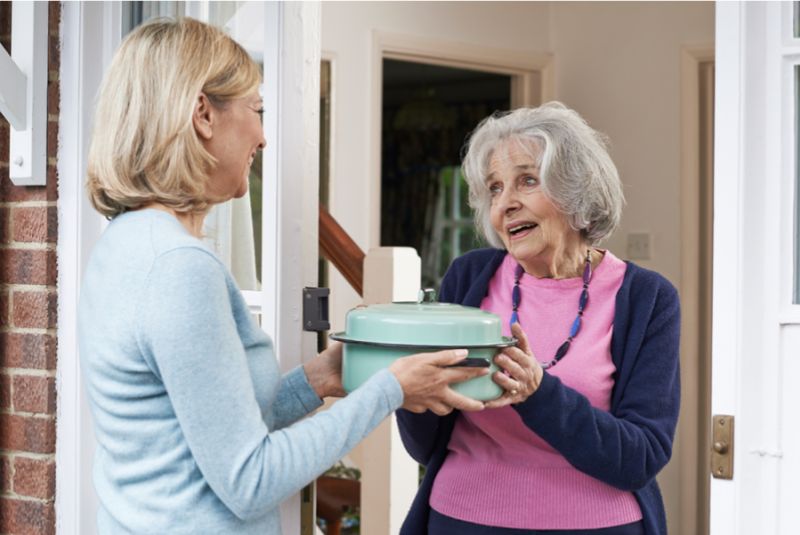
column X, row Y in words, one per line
column 575, row 169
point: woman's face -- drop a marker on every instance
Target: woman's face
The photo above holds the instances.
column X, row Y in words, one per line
column 235, row 136
column 532, row 229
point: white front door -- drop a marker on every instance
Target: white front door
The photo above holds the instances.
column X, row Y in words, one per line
column 284, row 38
column 756, row 303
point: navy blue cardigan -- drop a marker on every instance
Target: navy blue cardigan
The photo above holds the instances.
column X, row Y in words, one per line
column 625, row 447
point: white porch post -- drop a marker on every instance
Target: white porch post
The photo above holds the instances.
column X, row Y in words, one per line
column 389, row 476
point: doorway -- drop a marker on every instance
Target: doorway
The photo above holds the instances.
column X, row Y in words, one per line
column 693, row 441
column 428, row 112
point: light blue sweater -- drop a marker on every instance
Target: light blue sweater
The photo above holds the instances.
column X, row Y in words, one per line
column 197, row 432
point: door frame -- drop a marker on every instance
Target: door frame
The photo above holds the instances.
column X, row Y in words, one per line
column 83, row 27
column 532, row 82
column 695, row 362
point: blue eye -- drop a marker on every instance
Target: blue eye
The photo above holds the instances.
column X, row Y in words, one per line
column 529, row 182
column 495, row 189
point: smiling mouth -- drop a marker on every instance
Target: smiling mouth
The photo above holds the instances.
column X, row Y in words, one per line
column 518, row 229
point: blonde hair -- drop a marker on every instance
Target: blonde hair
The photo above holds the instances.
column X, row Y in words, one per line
column 144, row 147
column 576, row 170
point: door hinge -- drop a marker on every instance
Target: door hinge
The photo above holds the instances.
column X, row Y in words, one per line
column 722, row 446
column 315, row 309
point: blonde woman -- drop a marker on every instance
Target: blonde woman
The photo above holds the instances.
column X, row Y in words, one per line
column 197, row 430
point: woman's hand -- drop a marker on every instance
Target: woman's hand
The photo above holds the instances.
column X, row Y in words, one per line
column 520, row 375
column 324, row 373
column 426, row 382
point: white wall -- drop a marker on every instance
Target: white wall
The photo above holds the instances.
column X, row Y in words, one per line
column 618, row 64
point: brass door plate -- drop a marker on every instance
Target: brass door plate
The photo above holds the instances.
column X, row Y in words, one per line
column 722, row 446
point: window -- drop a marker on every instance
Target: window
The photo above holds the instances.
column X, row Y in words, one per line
column 454, row 230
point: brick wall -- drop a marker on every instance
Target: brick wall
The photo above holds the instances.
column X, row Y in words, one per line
column 28, row 305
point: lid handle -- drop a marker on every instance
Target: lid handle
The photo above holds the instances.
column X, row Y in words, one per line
column 426, row 295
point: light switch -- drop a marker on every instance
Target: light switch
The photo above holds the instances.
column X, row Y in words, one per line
column 639, row 246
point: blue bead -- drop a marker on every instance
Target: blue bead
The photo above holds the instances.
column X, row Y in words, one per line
column 514, row 318
column 576, row 326
column 515, row 296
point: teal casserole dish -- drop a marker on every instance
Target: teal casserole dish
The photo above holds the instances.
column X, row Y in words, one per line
column 376, row 335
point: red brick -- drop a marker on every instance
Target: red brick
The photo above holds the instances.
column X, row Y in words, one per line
column 5, row 319
column 34, row 393
column 26, row 266
column 27, row 517
column 24, row 350
column 54, row 53
column 4, row 140
column 53, row 97
column 27, row 433
column 11, row 193
column 5, row 25
column 35, row 478
column 54, row 16
column 52, row 139
column 34, row 309
column 5, row 222
column 5, row 391
column 5, row 474
column 37, row 224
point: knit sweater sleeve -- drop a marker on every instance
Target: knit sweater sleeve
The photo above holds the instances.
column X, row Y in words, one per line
column 296, row 398
column 188, row 334
column 628, row 446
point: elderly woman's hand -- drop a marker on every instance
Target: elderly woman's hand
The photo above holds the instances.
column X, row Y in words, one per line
column 520, row 375
column 324, row 373
column 425, row 380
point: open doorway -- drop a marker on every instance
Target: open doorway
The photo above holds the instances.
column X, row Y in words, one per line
column 427, row 114
column 697, row 183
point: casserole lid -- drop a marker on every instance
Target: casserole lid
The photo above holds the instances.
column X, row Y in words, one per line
column 424, row 323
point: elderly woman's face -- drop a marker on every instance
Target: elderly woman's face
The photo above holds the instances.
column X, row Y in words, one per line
column 533, row 230
column 236, row 136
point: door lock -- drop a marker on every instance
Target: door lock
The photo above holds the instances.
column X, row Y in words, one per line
column 722, row 446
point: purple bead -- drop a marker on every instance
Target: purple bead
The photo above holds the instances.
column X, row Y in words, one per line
column 576, row 326
column 515, row 296
column 518, row 272
column 562, row 350
column 584, row 298
column 587, row 273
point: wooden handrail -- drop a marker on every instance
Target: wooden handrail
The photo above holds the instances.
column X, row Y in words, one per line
column 339, row 248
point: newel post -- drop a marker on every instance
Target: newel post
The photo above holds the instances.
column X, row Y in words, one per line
column 389, row 476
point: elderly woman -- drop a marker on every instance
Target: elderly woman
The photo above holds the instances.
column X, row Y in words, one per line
column 591, row 393
column 197, row 431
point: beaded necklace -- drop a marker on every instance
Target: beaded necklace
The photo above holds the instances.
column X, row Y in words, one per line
column 516, row 297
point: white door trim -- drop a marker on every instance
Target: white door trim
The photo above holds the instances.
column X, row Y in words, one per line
column 728, row 234
column 532, row 83
column 754, row 350
column 88, row 37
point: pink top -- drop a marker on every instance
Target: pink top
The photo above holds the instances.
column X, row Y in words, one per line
column 500, row 473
